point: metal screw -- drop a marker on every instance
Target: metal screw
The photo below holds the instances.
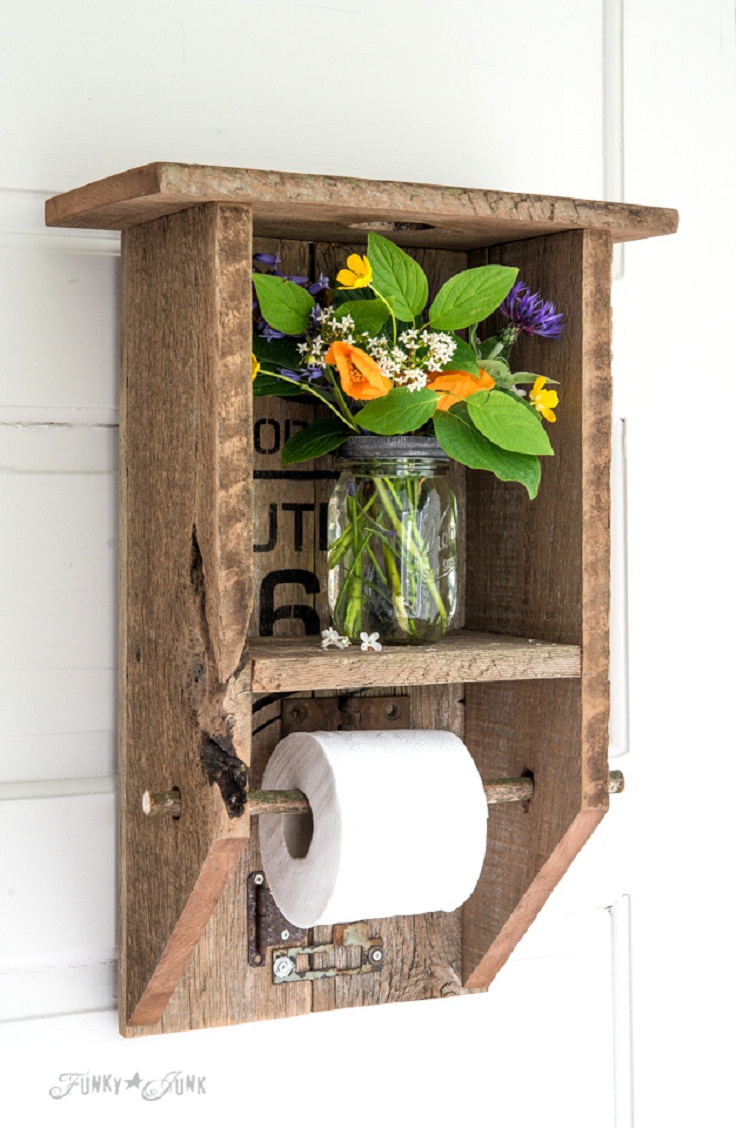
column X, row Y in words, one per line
column 392, row 710
column 283, row 967
column 297, row 712
column 258, row 879
column 285, row 934
column 375, row 955
column 257, row 959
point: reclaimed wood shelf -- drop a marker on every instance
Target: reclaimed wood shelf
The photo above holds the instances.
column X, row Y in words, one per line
column 223, row 580
column 462, row 656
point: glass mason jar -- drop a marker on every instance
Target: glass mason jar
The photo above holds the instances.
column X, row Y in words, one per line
column 392, row 540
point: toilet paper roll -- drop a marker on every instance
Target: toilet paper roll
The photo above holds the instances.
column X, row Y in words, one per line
column 398, row 825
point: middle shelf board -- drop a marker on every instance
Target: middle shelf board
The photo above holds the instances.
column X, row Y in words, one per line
column 463, row 656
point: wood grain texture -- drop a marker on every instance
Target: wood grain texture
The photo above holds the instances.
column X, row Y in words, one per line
column 342, row 209
column 186, row 587
column 286, row 510
column 543, row 568
column 463, row 656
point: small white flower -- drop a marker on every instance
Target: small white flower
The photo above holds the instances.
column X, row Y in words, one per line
column 330, row 637
column 342, row 642
column 369, row 641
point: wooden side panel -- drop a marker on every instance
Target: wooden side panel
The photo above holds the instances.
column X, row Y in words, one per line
column 541, row 568
column 186, row 585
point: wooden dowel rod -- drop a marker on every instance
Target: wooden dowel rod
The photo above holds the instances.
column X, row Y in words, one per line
column 156, row 803
column 497, row 791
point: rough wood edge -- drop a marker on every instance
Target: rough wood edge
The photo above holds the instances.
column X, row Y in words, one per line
column 597, row 402
column 221, row 506
column 219, row 865
column 284, row 666
column 161, row 188
column 596, row 259
column 534, row 899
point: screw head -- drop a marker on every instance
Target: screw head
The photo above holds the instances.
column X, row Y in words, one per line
column 392, row 710
column 258, row 879
column 283, row 967
column 375, row 955
column 297, row 712
column 285, row 934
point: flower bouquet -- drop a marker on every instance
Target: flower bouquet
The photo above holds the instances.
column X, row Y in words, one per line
column 402, row 393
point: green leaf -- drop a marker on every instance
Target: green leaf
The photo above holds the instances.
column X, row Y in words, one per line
column 267, row 385
column 489, row 348
column 369, row 317
column 529, row 378
column 499, row 370
column 315, row 440
column 284, row 305
column 471, row 296
column 463, row 441
column 508, row 423
column 281, row 353
column 398, row 276
column 398, row 412
column 463, row 357
column 340, row 297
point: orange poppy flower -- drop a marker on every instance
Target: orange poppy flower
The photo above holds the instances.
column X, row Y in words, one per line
column 360, row 376
column 458, row 385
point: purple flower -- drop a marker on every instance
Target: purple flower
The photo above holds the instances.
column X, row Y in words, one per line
column 313, row 372
column 291, row 374
column 266, row 260
column 268, row 333
column 299, row 279
column 321, row 284
column 529, row 314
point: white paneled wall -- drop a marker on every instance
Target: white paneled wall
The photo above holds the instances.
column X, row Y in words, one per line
column 610, row 97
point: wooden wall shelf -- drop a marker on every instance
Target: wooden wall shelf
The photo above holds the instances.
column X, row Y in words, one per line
column 223, row 579
column 462, row 656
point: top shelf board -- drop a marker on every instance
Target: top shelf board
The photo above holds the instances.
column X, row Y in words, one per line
column 342, row 209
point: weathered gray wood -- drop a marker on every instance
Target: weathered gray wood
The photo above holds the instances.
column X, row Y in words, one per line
column 284, row 499
column 542, row 567
column 343, row 209
column 462, row 656
column 185, row 584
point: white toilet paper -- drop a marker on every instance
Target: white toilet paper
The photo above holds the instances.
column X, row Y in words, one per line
column 398, row 825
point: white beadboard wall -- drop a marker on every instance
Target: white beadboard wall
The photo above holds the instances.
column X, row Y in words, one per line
column 598, row 98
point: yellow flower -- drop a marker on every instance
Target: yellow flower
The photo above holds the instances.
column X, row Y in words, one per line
column 256, row 366
column 357, row 273
column 543, row 401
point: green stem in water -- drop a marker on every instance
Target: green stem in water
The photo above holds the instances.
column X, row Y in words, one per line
column 419, row 553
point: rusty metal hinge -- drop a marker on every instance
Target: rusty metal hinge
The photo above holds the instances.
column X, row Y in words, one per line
column 266, row 924
column 314, row 714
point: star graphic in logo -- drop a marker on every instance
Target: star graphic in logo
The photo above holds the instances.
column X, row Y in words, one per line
column 135, row 1082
